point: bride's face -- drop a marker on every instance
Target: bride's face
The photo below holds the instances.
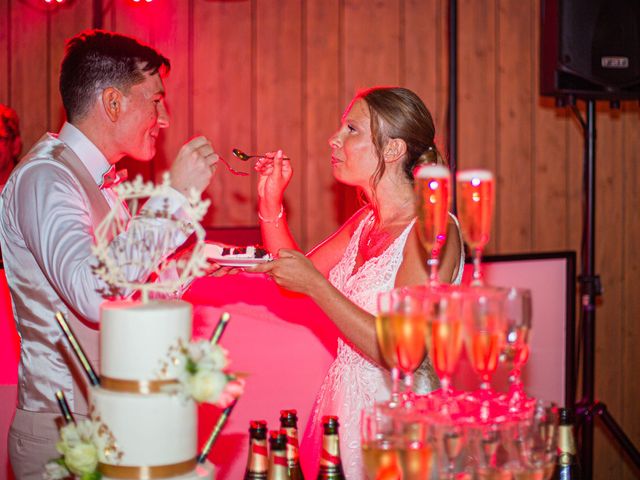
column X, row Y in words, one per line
column 353, row 155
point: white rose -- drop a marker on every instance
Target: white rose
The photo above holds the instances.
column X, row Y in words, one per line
column 81, row 459
column 206, row 386
column 69, row 438
column 54, row 471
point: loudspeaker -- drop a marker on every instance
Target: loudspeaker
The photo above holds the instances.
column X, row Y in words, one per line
column 590, row 49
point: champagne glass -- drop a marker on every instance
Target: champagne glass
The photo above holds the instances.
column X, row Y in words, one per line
column 401, row 335
column 485, row 323
column 475, row 209
column 517, row 306
column 445, row 330
column 396, row 444
column 387, row 341
column 491, row 447
column 410, row 328
column 432, row 192
column 535, row 440
column 455, row 461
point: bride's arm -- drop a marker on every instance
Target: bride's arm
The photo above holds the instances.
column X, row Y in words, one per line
column 297, row 273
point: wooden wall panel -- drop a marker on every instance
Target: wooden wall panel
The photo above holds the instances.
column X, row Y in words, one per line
column 29, row 78
column 223, row 72
column 423, row 57
column 5, row 26
column 514, row 123
column 322, row 111
column 629, row 415
column 263, row 74
column 477, row 98
column 609, row 264
column 279, row 95
column 65, row 23
column 550, row 206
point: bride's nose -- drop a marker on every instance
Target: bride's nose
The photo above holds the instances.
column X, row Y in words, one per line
column 334, row 140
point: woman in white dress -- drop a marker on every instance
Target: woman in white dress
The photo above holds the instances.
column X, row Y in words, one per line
column 384, row 133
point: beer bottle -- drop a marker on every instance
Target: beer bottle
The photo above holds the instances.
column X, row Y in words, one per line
column 567, row 466
column 278, row 456
column 289, row 423
column 258, row 462
column 330, row 463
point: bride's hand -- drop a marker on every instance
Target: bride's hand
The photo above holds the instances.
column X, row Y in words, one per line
column 275, row 174
column 293, row 271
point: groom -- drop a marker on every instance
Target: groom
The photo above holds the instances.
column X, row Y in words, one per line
column 113, row 93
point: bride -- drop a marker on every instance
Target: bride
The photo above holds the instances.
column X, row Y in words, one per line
column 384, row 134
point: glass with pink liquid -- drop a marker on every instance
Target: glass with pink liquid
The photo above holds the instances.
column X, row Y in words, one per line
column 431, row 186
column 475, row 208
column 444, row 338
column 486, row 328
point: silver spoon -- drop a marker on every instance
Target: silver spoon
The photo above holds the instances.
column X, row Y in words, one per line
column 245, row 156
column 231, row 169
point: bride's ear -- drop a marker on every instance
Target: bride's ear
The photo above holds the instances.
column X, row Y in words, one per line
column 394, row 149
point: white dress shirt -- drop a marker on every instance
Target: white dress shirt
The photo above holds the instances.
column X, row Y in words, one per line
column 46, row 235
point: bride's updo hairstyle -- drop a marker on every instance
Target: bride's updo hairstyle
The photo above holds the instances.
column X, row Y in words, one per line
column 399, row 113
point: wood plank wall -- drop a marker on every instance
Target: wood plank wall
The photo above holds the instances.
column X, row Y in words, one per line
column 268, row 74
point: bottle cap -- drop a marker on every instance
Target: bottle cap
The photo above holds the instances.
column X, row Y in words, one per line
column 289, row 418
column 277, row 440
column 566, row 416
column 258, row 429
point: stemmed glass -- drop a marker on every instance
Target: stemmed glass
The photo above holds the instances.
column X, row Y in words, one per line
column 432, row 192
column 443, row 306
column 517, row 307
column 535, row 441
column 387, row 341
column 475, row 209
column 396, row 444
column 401, row 334
column 491, row 447
column 485, row 323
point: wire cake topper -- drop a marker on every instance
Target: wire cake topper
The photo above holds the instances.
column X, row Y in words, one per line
column 146, row 248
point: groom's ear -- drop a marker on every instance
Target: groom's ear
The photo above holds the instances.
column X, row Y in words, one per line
column 112, row 102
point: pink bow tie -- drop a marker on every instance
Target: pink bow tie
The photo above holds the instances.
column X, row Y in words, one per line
column 111, row 178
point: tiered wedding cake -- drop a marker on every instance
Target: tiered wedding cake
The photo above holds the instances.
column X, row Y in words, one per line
column 155, row 432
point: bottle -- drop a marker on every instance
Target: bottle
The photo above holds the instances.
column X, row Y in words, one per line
column 567, row 466
column 278, row 469
column 289, row 423
column 330, row 463
column 258, row 462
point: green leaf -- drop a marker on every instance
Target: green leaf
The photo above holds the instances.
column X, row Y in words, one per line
column 192, row 367
column 91, row 476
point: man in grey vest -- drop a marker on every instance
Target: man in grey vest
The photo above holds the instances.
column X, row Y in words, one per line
column 113, row 93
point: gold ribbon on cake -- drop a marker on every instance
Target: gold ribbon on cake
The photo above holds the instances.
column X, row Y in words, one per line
column 134, row 386
column 147, row 473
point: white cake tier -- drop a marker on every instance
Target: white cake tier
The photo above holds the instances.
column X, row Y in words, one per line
column 135, row 337
column 149, row 430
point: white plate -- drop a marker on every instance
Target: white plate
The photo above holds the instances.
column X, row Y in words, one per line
column 214, row 252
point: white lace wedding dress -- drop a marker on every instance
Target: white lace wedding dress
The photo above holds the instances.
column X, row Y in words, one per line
column 352, row 382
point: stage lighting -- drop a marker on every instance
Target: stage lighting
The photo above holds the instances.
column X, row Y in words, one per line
column 53, row 1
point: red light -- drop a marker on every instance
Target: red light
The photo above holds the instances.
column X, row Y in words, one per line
column 142, row 1
column 53, row 1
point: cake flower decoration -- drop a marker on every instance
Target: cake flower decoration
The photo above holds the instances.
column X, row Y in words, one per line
column 82, row 445
column 202, row 372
